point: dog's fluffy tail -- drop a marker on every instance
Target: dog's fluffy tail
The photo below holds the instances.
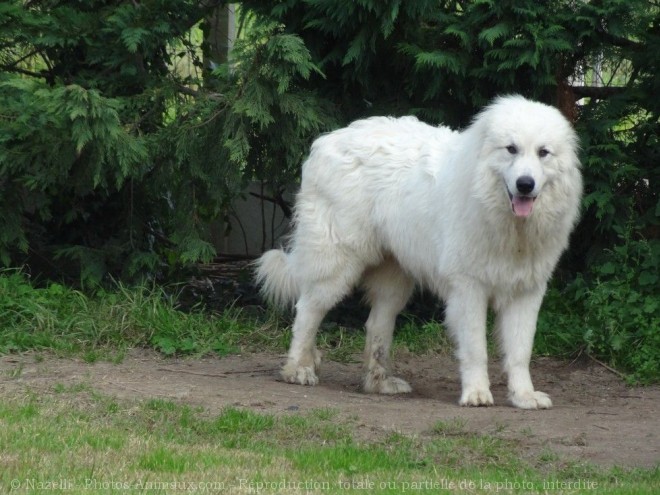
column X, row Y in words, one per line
column 274, row 275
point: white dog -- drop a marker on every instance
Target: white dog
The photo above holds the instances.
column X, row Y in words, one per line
column 479, row 217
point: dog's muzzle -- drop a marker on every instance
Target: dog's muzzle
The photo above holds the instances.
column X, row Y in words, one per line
column 522, row 201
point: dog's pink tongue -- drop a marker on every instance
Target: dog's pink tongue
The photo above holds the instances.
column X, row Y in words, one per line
column 522, row 206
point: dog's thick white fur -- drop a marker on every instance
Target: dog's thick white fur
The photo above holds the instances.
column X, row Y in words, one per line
column 480, row 217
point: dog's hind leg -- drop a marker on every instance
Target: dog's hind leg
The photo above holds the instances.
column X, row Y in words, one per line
column 327, row 286
column 304, row 359
column 388, row 289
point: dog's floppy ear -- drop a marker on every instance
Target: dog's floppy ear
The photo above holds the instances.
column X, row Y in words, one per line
column 570, row 176
column 478, row 132
column 568, row 156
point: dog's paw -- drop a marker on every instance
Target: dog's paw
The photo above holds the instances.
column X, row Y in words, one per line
column 386, row 385
column 476, row 397
column 531, row 400
column 304, row 375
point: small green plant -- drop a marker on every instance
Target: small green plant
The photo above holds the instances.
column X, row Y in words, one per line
column 623, row 309
column 612, row 313
column 451, row 427
column 103, row 324
column 421, row 336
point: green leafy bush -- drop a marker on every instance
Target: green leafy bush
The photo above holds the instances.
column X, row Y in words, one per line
column 623, row 309
column 113, row 160
column 612, row 314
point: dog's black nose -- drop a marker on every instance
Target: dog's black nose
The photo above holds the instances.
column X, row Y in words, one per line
column 525, row 184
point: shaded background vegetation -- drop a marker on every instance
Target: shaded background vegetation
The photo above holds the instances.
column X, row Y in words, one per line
column 122, row 137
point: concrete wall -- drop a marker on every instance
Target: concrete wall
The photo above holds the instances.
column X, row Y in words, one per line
column 243, row 233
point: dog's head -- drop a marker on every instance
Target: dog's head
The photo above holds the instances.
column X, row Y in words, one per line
column 528, row 146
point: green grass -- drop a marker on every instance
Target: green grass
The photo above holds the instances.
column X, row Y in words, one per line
column 107, row 323
column 94, row 443
column 74, row 439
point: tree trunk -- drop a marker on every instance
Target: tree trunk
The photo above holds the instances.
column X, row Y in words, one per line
column 219, row 35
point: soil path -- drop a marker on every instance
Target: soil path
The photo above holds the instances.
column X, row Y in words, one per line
column 596, row 418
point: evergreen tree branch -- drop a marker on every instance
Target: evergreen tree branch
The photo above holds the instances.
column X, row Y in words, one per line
column 277, row 200
column 598, row 92
column 14, row 63
column 200, row 94
column 25, row 72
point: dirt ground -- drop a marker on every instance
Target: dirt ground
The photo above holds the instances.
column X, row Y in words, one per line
column 596, row 418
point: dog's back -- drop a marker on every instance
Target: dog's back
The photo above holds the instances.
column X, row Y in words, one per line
column 374, row 150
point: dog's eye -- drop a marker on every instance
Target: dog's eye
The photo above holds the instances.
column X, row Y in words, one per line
column 543, row 153
column 512, row 149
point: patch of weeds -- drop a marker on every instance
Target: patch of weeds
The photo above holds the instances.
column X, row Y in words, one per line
column 450, row 427
column 161, row 405
column 16, row 372
column 324, row 413
column 341, row 344
column 349, row 458
column 492, row 451
column 319, row 427
column 527, row 432
column 240, row 422
column 611, row 312
column 15, row 413
column 269, row 333
column 421, row 337
column 548, row 456
column 500, row 427
column 164, row 460
column 102, row 441
column 452, row 446
column 92, row 356
column 60, row 388
column 112, row 407
column 241, row 428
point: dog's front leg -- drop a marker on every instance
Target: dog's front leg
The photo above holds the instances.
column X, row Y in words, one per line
column 515, row 328
column 466, row 319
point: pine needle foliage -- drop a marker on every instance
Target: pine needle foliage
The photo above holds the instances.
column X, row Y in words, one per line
column 114, row 160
